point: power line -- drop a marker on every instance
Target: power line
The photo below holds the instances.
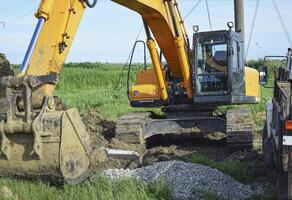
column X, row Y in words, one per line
column 252, row 28
column 209, row 16
column 16, row 7
column 21, row 16
column 282, row 22
column 193, row 8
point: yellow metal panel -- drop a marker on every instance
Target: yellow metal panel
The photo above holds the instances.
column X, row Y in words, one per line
column 146, row 77
column 183, row 59
column 144, row 92
column 62, row 21
column 158, row 69
column 45, row 9
column 157, row 16
column 147, row 87
column 60, row 27
column 252, row 85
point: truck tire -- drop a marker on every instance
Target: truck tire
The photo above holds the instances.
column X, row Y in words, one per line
column 282, row 185
column 268, row 152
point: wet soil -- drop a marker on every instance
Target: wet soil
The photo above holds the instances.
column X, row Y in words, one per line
column 165, row 148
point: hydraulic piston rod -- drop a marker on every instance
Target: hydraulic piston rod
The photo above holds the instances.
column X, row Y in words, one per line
column 32, row 45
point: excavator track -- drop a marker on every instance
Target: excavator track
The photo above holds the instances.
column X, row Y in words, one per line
column 129, row 129
column 239, row 129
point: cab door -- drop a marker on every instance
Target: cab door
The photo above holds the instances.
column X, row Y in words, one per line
column 237, row 68
column 211, row 64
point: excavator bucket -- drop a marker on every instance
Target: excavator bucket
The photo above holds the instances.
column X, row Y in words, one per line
column 41, row 142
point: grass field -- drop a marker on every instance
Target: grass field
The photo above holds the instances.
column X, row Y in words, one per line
column 98, row 188
column 96, row 85
column 88, row 85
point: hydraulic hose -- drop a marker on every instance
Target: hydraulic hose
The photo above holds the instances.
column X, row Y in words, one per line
column 130, row 64
column 91, row 5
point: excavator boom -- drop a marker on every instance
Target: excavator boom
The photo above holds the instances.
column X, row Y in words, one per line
column 59, row 22
column 37, row 139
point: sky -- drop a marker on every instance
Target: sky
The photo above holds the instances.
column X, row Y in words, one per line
column 108, row 31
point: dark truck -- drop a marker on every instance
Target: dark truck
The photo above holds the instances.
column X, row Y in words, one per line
column 277, row 133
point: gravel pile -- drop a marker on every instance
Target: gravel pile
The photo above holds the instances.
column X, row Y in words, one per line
column 188, row 180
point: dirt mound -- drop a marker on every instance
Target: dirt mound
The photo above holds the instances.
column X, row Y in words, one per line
column 100, row 129
column 160, row 149
column 60, row 106
column 102, row 134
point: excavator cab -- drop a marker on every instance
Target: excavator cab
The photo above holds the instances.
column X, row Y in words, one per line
column 211, row 64
column 218, row 67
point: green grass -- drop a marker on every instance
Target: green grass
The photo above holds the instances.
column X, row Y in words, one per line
column 85, row 86
column 99, row 188
column 94, row 85
column 237, row 170
column 91, row 85
column 268, row 196
column 210, row 196
column 258, row 110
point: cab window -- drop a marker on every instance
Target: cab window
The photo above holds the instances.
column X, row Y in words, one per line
column 212, row 64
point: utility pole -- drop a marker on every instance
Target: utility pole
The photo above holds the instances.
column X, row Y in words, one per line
column 239, row 17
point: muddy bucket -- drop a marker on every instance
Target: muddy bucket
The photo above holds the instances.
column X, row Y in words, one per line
column 54, row 145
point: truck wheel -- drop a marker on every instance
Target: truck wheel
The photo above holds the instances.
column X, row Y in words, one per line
column 268, row 152
column 282, row 185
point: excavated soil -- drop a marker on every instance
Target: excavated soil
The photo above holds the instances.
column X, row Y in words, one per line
column 160, row 149
column 102, row 132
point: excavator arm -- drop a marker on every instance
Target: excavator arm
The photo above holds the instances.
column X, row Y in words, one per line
column 58, row 22
column 37, row 139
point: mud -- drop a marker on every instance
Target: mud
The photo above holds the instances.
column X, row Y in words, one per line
column 5, row 70
column 60, row 106
column 166, row 148
column 102, row 135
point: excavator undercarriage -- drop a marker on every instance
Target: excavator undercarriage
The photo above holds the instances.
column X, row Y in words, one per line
column 235, row 127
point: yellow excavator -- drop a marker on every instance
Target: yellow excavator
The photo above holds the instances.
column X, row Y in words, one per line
column 37, row 139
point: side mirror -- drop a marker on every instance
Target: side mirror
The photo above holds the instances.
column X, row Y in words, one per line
column 263, row 75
